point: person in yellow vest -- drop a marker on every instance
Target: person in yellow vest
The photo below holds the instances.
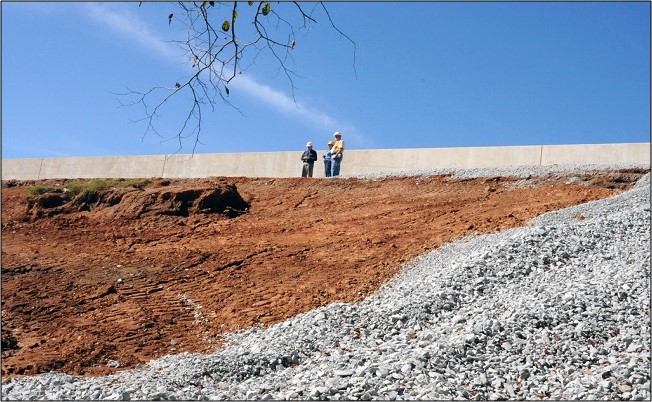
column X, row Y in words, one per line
column 337, row 154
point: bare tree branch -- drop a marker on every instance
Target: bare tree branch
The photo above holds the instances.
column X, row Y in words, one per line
column 216, row 46
column 343, row 34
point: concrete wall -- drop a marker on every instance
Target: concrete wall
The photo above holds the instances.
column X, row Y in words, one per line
column 288, row 164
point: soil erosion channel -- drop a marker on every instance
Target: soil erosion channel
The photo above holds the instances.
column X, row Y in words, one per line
column 128, row 274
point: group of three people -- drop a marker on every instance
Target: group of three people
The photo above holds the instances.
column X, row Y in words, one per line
column 332, row 158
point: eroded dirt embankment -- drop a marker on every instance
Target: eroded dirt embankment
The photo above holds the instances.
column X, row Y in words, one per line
column 125, row 275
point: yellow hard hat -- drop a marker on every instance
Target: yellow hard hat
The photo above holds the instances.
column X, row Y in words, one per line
column 331, row 143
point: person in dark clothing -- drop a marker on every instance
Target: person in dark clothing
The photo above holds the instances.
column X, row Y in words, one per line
column 308, row 158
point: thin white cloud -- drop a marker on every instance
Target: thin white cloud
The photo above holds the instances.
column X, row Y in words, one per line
column 281, row 101
column 287, row 105
column 131, row 28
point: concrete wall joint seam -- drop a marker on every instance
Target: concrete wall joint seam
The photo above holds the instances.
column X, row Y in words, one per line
column 164, row 162
column 40, row 166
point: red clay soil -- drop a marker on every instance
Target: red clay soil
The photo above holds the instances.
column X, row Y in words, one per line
column 136, row 273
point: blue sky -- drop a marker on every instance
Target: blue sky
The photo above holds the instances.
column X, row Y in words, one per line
column 423, row 75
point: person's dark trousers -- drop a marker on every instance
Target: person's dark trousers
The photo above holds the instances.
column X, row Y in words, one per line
column 307, row 169
column 327, row 167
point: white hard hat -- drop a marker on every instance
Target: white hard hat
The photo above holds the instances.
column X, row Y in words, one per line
column 309, row 144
